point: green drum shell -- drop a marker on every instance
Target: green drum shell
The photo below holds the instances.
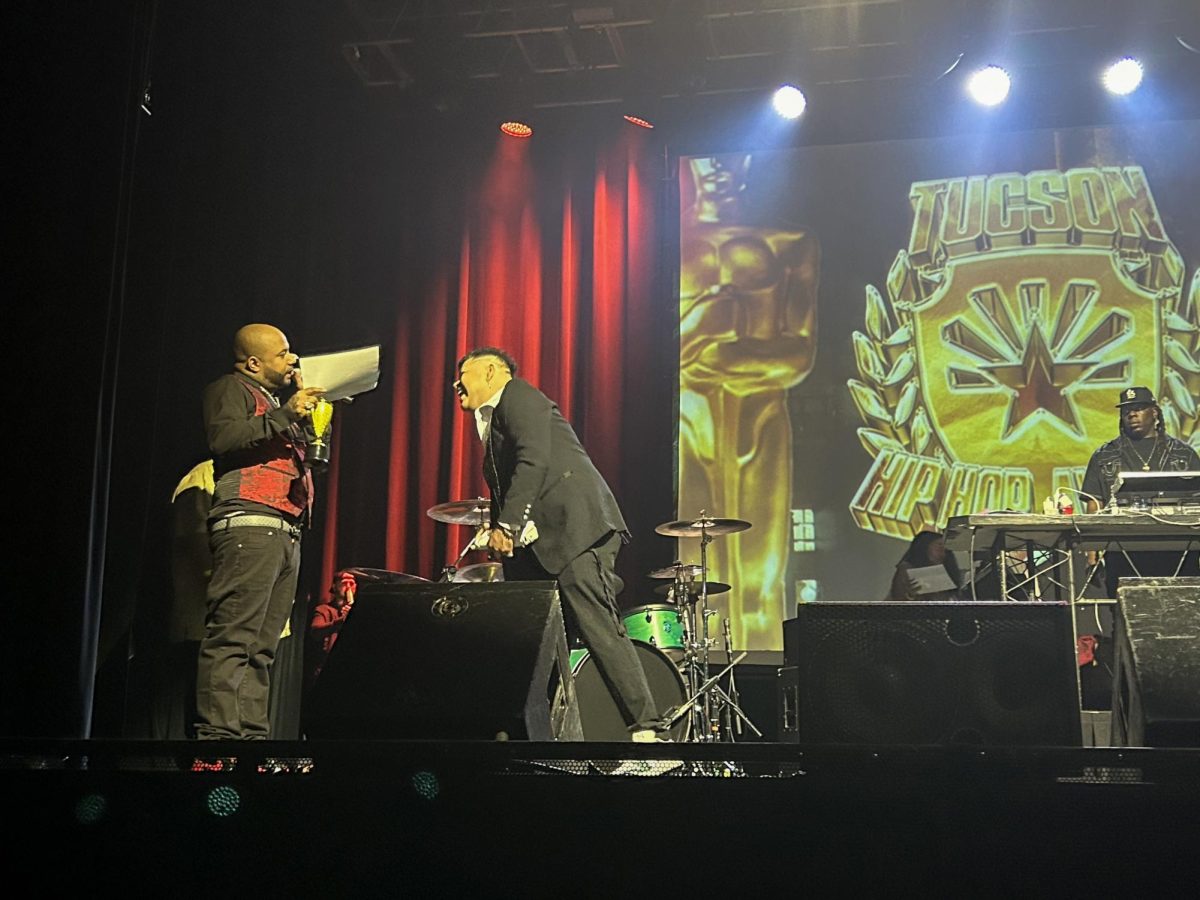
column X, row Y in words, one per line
column 656, row 624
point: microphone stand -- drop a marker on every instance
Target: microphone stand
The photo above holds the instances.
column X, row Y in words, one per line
column 731, row 724
column 672, row 715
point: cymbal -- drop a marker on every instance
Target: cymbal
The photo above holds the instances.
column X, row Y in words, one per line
column 693, row 588
column 676, row 570
column 480, row 572
column 707, row 525
column 461, row 512
column 383, row 576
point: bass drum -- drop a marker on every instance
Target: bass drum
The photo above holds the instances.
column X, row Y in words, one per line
column 598, row 711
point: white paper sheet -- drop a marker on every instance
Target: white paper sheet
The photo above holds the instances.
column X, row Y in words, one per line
column 931, row 578
column 342, row 374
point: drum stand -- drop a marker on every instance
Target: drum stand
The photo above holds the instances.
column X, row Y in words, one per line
column 727, row 701
column 691, row 707
column 451, row 570
column 474, row 513
column 715, row 713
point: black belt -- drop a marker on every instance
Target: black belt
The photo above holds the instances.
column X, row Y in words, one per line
column 253, row 519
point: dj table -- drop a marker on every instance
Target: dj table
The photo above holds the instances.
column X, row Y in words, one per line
column 1039, row 557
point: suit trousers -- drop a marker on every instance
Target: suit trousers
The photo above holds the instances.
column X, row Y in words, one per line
column 588, row 587
column 250, row 597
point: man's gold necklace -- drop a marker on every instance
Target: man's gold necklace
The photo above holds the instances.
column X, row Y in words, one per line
column 1145, row 461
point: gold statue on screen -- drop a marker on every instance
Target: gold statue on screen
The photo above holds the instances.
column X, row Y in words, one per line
column 747, row 335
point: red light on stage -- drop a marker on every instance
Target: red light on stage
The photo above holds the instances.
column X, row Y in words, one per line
column 638, row 121
column 516, row 129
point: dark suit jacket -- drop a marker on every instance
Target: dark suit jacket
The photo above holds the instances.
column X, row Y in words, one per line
column 536, row 469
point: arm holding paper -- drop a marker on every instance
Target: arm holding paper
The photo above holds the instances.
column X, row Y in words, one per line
column 347, row 372
column 343, row 374
column 926, row 571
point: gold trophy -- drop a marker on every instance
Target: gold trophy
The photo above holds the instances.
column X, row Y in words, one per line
column 322, row 423
column 748, row 335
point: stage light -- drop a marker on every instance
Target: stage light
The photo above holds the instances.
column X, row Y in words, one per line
column 1123, row 76
column 789, row 101
column 516, row 129
column 223, row 801
column 989, row 86
column 90, row 809
column 638, row 121
column 426, row 785
column 215, row 764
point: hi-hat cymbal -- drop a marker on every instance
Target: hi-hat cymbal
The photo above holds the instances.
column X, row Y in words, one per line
column 461, row 512
column 480, row 572
column 693, row 588
column 383, row 576
column 706, row 525
column 676, row 570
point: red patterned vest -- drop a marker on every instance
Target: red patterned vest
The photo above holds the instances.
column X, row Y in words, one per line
column 272, row 473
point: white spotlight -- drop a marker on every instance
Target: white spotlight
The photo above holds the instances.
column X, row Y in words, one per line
column 989, row 86
column 789, row 101
column 1123, row 76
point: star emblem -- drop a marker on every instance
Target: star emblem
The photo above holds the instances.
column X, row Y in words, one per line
column 1037, row 382
column 1038, row 353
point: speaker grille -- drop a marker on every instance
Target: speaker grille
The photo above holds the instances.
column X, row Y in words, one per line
column 932, row 673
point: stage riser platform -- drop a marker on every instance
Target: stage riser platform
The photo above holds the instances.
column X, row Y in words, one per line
column 387, row 819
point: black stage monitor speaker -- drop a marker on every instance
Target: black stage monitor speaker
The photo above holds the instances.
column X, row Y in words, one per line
column 1156, row 676
column 984, row 673
column 448, row 661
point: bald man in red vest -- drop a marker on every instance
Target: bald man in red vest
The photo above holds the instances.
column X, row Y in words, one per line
column 262, row 500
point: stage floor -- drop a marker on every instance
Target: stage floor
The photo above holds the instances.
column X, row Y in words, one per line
column 382, row 818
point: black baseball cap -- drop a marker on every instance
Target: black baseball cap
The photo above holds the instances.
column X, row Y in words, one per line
column 1140, row 395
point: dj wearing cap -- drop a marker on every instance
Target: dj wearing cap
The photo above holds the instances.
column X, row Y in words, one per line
column 1142, row 446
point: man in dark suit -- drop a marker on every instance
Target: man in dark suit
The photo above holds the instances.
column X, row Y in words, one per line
column 553, row 517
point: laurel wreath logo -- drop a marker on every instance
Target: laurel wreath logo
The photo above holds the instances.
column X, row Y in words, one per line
column 1181, row 350
column 888, row 396
column 887, row 393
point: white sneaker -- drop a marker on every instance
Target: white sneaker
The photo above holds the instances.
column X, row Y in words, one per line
column 648, row 736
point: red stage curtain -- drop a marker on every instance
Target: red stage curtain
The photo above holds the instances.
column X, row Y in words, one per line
column 555, row 261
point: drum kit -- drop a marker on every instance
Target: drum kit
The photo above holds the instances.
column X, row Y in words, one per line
column 711, row 709
column 673, row 639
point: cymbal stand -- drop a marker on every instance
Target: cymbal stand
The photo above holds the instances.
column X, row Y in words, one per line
column 685, row 603
column 728, row 700
column 689, row 705
column 705, row 540
column 693, row 616
column 719, row 714
column 451, row 570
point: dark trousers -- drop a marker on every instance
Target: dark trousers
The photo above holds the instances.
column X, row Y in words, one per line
column 588, row 588
column 250, row 598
